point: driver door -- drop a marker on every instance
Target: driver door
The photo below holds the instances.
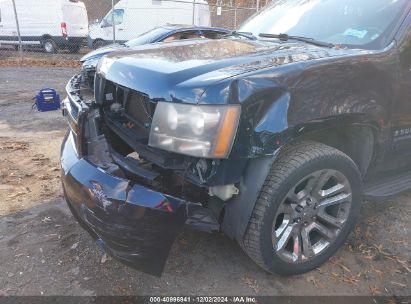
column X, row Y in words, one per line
column 401, row 132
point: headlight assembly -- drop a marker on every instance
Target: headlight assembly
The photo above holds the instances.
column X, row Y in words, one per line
column 198, row 130
column 91, row 63
column 104, row 65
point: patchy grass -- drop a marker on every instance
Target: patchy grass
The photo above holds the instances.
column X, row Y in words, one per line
column 39, row 62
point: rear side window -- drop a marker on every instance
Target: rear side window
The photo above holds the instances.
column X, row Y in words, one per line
column 182, row 36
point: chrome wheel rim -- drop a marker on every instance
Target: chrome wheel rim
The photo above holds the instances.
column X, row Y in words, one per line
column 311, row 216
column 48, row 47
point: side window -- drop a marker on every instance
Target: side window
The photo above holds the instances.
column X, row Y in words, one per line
column 213, row 34
column 182, row 36
column 118, row 18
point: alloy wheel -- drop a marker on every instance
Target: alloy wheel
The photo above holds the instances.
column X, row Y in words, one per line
column 48, row 46
column 311, row 216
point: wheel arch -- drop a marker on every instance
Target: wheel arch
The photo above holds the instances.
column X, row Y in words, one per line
column 356, row 139
column 46, row 36
column 97, row 40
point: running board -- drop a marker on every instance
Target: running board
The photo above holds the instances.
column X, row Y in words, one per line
column 387, row 187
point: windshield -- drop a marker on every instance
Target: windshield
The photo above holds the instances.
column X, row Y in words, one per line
column 148, row 37
column 349, row 22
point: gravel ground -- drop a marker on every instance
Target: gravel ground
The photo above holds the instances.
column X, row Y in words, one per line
column 43, row 251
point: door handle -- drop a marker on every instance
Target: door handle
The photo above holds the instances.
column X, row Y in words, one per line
column 121, row 29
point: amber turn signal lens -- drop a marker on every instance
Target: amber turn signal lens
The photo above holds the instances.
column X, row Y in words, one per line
column 227, row 132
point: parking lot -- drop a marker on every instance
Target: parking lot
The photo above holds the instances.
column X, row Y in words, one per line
column 45, row 252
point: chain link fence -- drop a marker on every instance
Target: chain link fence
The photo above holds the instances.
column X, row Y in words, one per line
column 67, row 29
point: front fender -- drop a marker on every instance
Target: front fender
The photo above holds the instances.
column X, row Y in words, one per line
column 238, row 210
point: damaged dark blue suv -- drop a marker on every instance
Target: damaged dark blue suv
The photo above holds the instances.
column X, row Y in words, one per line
column 271, row 135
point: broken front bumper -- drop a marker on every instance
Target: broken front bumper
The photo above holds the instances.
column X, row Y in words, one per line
column 135, row 224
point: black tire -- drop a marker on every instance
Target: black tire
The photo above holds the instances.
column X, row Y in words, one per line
column 295, row 162
column 98, row 44
column 49, row 46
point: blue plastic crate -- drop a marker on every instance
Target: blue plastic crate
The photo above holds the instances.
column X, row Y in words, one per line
column 47, row 100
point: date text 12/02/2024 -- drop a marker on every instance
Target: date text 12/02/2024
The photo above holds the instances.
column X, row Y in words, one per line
column 203, row 299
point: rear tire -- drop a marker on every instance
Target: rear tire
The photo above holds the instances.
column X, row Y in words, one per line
column 296, row 223
column 98, row 44
column 49, row 46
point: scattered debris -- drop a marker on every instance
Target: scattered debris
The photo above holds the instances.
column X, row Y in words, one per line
column 390, row 256
column 338, row 262
column 13, row 146
column 105, row 258
column 398, row 284
column 251, row 283
column 46, row 219
column 312, row 279
column 374, row 290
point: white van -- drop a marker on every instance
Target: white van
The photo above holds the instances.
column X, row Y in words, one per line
column 134, row 17
column 51, row 24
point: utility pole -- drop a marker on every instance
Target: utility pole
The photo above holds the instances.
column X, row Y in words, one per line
column 258, row 5
column 113, row 21
column 18, row 30
column 194, row 10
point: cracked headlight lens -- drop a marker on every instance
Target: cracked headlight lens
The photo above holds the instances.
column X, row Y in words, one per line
column 91, row 64
column 197, row 130
column 104, row 65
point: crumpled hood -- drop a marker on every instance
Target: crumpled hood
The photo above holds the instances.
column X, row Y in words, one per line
column 100, row 52
column 182, row 71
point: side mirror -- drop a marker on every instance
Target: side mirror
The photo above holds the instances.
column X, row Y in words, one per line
column 96, row 21
column 104, row 23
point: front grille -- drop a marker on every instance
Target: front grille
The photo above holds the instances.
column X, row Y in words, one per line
column 140, row 110
column 74, row 109
column 136, row 112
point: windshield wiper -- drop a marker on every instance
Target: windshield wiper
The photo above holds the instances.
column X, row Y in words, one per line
column 247, row 35
column 286, row 37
